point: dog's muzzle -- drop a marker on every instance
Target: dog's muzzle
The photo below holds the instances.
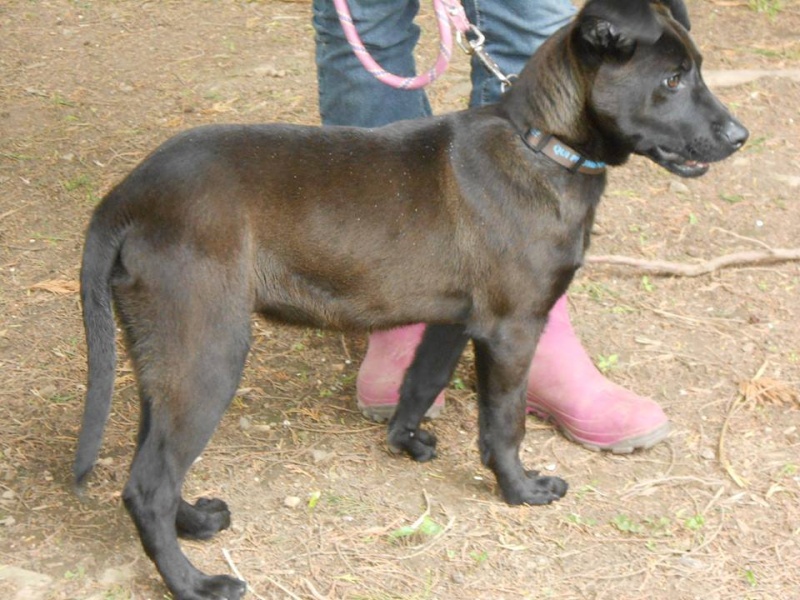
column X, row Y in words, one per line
column 695, row 159
column 675, row 163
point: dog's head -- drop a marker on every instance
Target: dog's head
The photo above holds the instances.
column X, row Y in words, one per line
column 648, row 94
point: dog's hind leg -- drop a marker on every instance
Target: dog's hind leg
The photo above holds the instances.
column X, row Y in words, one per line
column 205, row 517
column 429, row 373
column 189, row 351
column 152, row 498
column 502, row 361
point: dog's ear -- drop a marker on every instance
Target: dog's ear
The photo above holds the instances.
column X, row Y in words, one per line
column 616, row 25
column 679, row 12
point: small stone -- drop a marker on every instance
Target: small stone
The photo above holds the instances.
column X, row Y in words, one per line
column 116, row 575
column 790, row 180
column 8, row 495
column 9, row 521
column 678, row 187
column 32, row 584
column 245, row 424
column 692, row 563
column 708, row 454
column 270, row 71
column 320, row 456
column 458, row 578
column 743, row 161
column 47, row 391
column 291, row 501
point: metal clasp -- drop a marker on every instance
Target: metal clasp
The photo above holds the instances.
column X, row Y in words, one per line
column 476, row 46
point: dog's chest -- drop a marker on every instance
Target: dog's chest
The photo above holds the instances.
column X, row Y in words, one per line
column 534, row 251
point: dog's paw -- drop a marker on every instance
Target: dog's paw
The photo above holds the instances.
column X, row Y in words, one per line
column 211, row 506
column 203, row 519
column 536, row 490
column 219, row 587
column 418, row 444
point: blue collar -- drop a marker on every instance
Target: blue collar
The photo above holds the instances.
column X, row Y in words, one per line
column 558, row 151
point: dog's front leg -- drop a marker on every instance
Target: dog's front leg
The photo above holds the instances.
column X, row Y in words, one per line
column 429, row 373
column 502, row 362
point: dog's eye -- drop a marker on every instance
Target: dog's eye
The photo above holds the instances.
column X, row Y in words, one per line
column 673, row 82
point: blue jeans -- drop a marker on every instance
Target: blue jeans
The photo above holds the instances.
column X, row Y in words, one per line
column 348, row 95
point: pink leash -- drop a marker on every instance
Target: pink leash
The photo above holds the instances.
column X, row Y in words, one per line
column 446, row 11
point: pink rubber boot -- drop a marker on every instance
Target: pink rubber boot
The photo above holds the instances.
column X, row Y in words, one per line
column 389, row 354
column 565, row 387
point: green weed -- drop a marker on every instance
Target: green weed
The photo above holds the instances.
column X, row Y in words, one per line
column 606, row 363
column 731, row 198
column 576, row 519
column 695, row 522
column 769, row 7
column 78, row 573
column 625, row 524
column 425, row 527
column 78, row 182
column 479, row 557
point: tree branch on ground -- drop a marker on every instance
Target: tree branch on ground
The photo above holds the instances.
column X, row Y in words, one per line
column 664, row 267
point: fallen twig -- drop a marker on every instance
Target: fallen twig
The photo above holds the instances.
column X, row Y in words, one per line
column 737, row 403
column 229, row 559
column 314, row 591
column 641, row 488
column 665, row 267
column 8, row 213
column 723, row 458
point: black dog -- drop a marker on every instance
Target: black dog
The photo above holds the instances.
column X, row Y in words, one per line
column 473, row 222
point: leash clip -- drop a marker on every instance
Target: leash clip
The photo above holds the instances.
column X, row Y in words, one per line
column 476, row 47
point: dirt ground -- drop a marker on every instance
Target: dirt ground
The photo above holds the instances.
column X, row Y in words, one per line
column 320, row 507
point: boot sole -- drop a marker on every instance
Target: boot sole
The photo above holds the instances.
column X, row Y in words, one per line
column 380, row 413
column 624, row 446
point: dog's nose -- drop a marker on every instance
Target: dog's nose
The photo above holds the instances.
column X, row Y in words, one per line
column 735, row 133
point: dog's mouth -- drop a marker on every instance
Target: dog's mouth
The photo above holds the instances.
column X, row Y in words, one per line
column 675, row 163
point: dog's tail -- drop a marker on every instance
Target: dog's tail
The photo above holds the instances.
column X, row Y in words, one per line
column 104, row 239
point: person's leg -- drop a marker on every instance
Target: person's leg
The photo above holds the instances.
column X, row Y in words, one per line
column 564, row 385
column 348, row 95
column 514, row 30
